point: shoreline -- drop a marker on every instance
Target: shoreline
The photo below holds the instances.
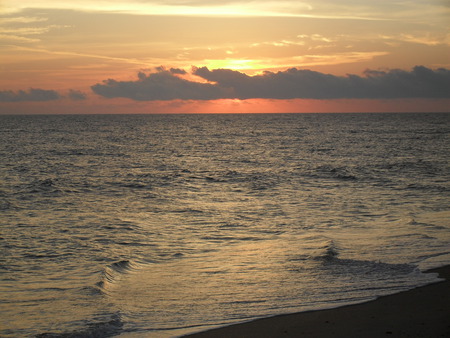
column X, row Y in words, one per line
column 420, row 312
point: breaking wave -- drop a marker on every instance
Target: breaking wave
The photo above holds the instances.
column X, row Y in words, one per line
column 113, row 272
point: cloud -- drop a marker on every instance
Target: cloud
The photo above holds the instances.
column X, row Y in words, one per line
column 15, row 38
column 39, row 95
column 76, row 95
column 295, row 83
column 177, row 71
column 171, row 7
column 420, row 82
column 33, row 94
column 163, row 85
column 21, row 19
column 76, row 54
column 413, row 10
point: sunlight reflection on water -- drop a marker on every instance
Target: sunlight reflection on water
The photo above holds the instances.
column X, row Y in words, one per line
column 148, row 224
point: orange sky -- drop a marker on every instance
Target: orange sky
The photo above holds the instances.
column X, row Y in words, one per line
column 67, row 47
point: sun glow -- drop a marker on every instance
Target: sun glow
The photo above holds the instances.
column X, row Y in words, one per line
column 265, row 9
column 67, row 48
column 230, row 64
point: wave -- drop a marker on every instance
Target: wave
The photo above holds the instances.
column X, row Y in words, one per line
column 436, row 187
column 356, row 267
column 372, row 267
column 328, row 256
column 99, row 329
column 220, row 239
column 253, row 180
column 413, row 166
column 113, row 272
column 329, row 171
column 47, row 185
column 339, row 173
column 6, row 205
column 327, row 252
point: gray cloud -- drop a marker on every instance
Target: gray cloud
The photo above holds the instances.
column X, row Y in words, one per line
column 177, row 71
column 76, row 95
column 33, row 94
column 420, row 82
column 42, row 95
column 163, row 85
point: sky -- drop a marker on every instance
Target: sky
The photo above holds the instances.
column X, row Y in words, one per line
column 244, row 56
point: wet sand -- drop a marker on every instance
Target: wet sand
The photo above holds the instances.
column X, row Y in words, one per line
column 421, row 312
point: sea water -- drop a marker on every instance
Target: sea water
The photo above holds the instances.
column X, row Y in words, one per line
column 159, row 225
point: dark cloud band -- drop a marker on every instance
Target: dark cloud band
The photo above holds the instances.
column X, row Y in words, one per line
column 163, row 85
column 76, row 95
column 39, row 95
column 420, row 82
column 30, row 95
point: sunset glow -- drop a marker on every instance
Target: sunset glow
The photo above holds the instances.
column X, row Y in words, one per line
column 72, row 46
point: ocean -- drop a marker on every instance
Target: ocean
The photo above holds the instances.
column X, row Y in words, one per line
column 161, row 225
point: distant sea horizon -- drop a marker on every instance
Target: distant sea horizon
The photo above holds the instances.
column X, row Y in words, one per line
column 213, row 113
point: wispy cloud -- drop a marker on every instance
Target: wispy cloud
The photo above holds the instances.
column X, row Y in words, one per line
column 184, row 8
column 310, row 60
column 28, row 30
column 22, row 34
column 25, row 29
column 423, row 39
column 21, row 19
column 86, row 55
column 268, row 8
column 280, row 43
column 17, row 38
column 420, row 82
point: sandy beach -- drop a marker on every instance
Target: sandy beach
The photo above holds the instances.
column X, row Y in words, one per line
column 421, row 312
